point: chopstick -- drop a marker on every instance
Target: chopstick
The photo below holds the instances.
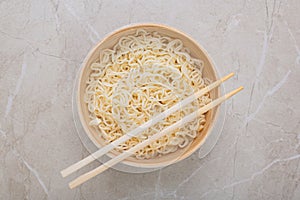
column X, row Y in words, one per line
column 141, row 128
column 85, row 177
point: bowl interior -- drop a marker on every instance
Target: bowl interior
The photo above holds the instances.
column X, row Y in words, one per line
column 109, row 42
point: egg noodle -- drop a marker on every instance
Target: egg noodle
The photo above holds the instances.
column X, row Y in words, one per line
column 143, row 75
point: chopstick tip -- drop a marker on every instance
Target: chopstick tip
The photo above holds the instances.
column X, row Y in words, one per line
column 234, row 92
column 64, row 173
column 240, row 88
column 72, row 185
column 227, row 77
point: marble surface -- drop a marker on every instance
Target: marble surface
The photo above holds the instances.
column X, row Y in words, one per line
column 258, row 153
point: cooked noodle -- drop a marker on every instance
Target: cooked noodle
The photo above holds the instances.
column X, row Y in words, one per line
column 141, row 76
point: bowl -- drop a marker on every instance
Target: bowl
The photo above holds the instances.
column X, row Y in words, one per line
column 196, row 51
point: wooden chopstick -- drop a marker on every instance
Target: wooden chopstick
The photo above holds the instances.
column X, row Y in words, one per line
column 142, row 128
column 83, row 178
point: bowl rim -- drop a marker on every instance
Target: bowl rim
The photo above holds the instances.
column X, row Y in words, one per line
column 84, row 65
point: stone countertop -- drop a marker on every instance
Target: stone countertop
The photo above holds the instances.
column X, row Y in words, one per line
column 258, row 153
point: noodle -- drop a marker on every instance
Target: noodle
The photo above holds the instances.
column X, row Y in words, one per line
column 141, row 76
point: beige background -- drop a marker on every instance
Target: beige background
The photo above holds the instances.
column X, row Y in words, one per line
column 42, row 44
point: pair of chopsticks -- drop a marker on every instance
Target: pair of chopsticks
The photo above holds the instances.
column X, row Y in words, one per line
column 85, row 177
